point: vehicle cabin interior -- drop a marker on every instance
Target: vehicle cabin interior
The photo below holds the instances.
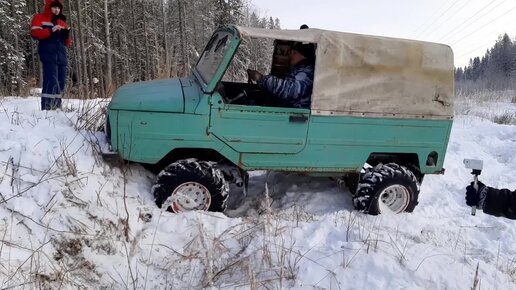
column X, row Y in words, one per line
column 234, row 87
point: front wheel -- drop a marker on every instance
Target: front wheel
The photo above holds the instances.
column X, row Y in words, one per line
column 189, row 185
column 387, row 188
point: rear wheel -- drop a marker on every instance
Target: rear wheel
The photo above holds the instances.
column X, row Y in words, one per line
column 387, row 188
column 189, row 185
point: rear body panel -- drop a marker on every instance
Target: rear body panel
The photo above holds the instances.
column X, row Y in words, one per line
column 323, row 143
column 343, row 144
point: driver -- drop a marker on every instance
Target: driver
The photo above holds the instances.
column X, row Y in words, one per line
column 295, row 89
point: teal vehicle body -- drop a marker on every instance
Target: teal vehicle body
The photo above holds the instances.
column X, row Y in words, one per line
column 157, row 97
column 159, row 122
column 266, row 139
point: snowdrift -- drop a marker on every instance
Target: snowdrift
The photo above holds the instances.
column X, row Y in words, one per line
column 69, row 221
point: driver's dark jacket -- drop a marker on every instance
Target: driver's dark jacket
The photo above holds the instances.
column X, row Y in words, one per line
column 500, row 202
column 296, row 88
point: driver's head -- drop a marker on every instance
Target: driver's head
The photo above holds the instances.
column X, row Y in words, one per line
column 301, row 51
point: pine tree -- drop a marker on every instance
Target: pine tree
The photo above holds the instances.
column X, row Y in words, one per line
column 495, row 70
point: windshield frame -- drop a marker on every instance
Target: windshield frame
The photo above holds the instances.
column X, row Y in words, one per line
column 210, row 79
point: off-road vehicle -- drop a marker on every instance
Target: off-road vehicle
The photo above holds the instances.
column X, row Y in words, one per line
column 379, row 101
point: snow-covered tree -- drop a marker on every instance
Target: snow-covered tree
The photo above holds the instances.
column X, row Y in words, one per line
column 119, row 41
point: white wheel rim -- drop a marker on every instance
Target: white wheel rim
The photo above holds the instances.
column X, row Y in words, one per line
column 189, row 196
column 394, row 198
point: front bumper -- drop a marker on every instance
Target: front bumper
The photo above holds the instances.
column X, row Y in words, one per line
column 108, row 155
column 112, row 158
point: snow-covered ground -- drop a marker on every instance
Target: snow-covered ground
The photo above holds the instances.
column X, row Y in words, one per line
column 69, row 221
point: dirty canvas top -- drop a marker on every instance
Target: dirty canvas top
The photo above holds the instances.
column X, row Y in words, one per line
column 364, row 75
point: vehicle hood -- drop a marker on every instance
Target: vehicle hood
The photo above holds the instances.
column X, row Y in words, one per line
column 154, row 96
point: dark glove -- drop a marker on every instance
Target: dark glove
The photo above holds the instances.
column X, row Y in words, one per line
column 476, row 197
column 254, row 75
column 65, row 33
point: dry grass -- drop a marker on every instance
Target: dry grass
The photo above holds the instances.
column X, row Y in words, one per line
column 57, row 262
column 495, row 106
column 90, row 115
column 505, row 119
column 486, row 96
column 475, row 278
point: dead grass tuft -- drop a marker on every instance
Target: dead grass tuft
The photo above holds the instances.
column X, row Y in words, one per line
column 72, row 247
column 505, row 119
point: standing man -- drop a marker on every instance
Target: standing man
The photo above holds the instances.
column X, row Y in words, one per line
column 53, row 34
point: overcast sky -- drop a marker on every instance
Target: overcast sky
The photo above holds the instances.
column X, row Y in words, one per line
column 468, row 26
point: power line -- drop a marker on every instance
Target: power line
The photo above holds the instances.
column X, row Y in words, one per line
column 427, row 20
column 471, row 17
column 463, row 55
column 474, row 49
column 468, row 58
column 440, row 16
column 478, row 47
column 497, row 18
column 453, row 14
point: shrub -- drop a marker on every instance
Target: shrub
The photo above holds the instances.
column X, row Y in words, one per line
column 506, row 118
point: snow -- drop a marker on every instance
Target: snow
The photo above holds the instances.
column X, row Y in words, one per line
column 67, row 220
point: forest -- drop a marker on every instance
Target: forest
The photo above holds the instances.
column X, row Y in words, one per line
column 119, row 41
column 116, row 42
column 495, row 70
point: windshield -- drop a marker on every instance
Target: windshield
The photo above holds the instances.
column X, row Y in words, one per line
column 253, row 53
column 213, row 55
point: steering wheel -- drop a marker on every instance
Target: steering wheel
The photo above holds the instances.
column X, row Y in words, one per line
column 222, row 91
column 246, row 93
column 238, row 97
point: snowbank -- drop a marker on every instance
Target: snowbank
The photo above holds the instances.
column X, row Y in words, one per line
column 68, row 220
